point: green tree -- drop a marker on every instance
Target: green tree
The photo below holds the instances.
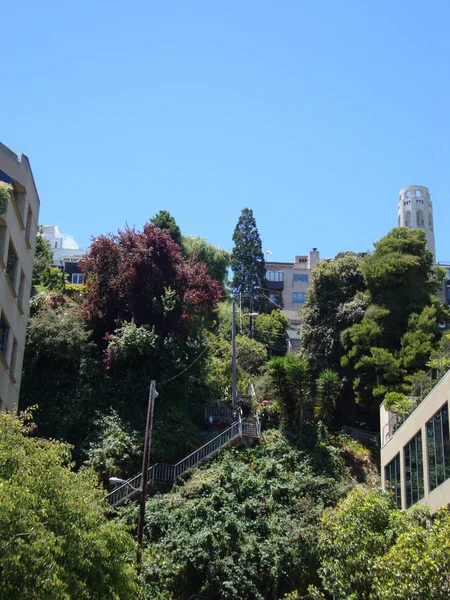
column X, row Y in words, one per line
column 58, row 370
column 115, row 449
column 352, row 536
column 291, row 379
column 271, row 330
column 417, row 566
column 217, row 260
column 53, row 280
column 247, row 258
column 245, row 526
column 400, row 325
column 334, row 302
column 5, row 194
column 56, row 543
column 43, row 258
column 164, row 220
column 371, row 550
column 328, row 389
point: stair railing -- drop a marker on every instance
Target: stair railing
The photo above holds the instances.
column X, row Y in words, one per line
column 164, row 473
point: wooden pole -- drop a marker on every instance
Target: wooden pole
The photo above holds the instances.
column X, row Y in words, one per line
column 144, row 476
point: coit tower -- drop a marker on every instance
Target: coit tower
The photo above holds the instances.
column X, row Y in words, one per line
column 415, row 210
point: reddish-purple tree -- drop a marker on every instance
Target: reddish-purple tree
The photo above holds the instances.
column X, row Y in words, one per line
column 143, row 276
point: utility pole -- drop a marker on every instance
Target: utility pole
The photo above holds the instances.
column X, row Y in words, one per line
column 144, row 475
column 251, row 311
column 233, row 356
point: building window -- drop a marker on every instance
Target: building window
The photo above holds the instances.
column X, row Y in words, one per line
column 438, row 445
column 77, row 278
column 420, row 219
column 21, row 289
column 275, row 276
column 275, row 299
column 392, row 479
column 56, row 244
column 11, row 263
column 300, row 277
column 3, row 236
column 4, row 335
column 12, row 364
column 414, row 470
column 28, row 225
column 298, row 297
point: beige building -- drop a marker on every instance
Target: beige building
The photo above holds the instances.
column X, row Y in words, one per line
column 289, row 282
column 415, row 451
column 18, row 228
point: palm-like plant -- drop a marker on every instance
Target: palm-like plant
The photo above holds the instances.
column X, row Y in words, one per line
column 328, row 388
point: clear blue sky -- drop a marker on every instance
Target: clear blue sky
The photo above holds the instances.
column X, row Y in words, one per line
column 313, row 113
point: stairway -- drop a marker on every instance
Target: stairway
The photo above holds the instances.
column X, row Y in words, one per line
column 239, row 432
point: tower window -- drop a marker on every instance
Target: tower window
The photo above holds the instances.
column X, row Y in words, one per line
column 418, row 194
column 420, row 219
column 408, row 194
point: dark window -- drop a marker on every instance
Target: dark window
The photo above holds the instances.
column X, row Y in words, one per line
column 438, row 444
column 392, row 479
column 28, row 225
column 4, row 335
column 298, row 297
column 12, row 364
column 21, row 289
column 77, row 278
column 11, row 263
column 414, row 470
column 300, row 277
column 275, row 276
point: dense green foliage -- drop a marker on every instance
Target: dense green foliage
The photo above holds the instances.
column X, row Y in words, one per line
column 55, row 541
column 250, row 525
column 164, row 220
column 5, row 194
column 245, row 527
column 334, row 302
column 43, row 258
column 247, row 258
column 216, row 259
column 374, row 319
column 372, row 551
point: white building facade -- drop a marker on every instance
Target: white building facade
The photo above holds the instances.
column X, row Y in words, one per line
column 18, row 228
column 415, row 211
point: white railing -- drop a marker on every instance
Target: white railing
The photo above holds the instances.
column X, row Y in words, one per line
column 163, row 473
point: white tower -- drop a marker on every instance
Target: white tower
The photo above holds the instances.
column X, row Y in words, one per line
column 415, row 210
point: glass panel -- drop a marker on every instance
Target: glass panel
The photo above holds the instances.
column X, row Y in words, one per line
column 438, row 445
column 300, row 277
column 4, row 334
column 392, row 479
column 414, row 470
column 275, row 275
column 11, row 263
column 298, row 297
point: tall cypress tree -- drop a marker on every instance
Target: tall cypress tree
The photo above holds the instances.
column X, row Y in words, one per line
column 247, row 258
column 164, row 220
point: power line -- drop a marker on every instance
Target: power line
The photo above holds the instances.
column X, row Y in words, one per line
column 194, row 361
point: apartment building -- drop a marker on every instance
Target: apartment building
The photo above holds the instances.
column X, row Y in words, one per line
column 66, row 252
column 415, row 449
column 18, row 228
column 288, row 282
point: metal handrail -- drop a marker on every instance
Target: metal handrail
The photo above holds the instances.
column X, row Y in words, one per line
column 416, row 398
column 164, row 473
